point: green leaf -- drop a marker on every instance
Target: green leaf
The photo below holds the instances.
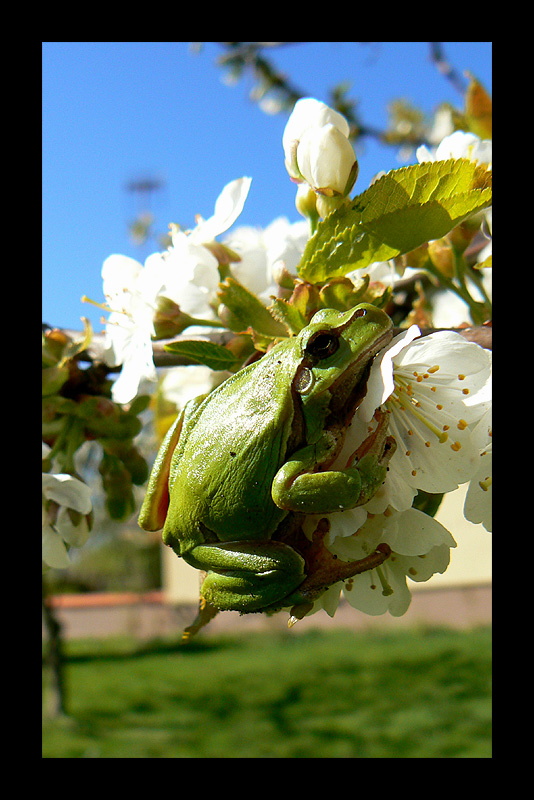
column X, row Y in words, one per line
column 289, row 315
column 399, row 212
column 210, row 354
column 245, row 312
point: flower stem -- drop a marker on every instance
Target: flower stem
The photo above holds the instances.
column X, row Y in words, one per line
column 462, row 291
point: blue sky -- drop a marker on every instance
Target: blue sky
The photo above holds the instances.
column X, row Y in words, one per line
column 114, row 112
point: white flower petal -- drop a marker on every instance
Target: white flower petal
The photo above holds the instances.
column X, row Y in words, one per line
column 458, row 144
column 75, row 535
column 191, row 277
column 228, row 207
column 137, row 366
column 329, row 601
column 396, row 491
column 346, row 523
column 380, row 384
column 423, row 154
column 416, row 534
column 364, row 540
column 422, row 568
column 367, row 593
column 54, row 552
column 325, row 158
column 65, row 490
column 478, row 505
column 119, row 275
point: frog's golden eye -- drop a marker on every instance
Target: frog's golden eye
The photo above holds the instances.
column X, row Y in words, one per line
column 322, row 345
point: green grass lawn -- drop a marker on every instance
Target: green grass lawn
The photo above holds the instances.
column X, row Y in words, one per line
column 335, row 694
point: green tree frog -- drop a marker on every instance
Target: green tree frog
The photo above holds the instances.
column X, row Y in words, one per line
column 243, row 465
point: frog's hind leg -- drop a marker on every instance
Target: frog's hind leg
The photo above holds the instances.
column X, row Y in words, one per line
column 247, row 576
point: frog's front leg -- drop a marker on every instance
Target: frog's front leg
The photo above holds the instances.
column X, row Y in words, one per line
column 300, row 486
column 247, row 576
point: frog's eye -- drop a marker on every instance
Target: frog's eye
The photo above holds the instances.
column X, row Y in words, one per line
column 322, row 345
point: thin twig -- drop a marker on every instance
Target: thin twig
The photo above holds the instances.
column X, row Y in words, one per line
column 437, row 57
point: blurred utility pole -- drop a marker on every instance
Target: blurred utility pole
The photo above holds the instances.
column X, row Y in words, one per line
column 144, row 189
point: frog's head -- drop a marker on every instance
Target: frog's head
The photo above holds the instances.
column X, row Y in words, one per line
column 336, row 351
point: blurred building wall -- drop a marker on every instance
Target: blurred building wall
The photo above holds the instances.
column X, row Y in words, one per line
column 470, row 560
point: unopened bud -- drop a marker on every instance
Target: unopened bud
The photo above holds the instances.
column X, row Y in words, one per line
column 307, row 113
column 169, row 319
column 327, row 160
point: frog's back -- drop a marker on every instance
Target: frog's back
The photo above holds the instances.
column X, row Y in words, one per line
column 223, row 473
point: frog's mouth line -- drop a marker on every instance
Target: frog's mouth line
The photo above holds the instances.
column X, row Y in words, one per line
column 350, row 388
column 379, row 345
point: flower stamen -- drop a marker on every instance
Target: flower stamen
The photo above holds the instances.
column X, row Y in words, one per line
column 404, row 399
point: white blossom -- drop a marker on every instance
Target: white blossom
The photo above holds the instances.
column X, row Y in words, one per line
column 131, row 291
column 458, row 145
column 433, row 387
column 436, row 393
column 187, row 274
column 262, row 250
column 317, row 148
column 308, row 113
column 478, row 501
column 326, row 159
column 183, row 383
column 190, row 270
column 420, row 547
column 61, row 492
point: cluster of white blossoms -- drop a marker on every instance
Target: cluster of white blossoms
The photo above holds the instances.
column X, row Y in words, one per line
column 436, row 391
column 66, row 502
column 187, row 274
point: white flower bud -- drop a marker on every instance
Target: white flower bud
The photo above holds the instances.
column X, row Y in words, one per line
column 308, row 113
column 326, row 160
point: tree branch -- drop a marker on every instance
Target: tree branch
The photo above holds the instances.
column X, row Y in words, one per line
column 437, row 56
column 480, row 334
